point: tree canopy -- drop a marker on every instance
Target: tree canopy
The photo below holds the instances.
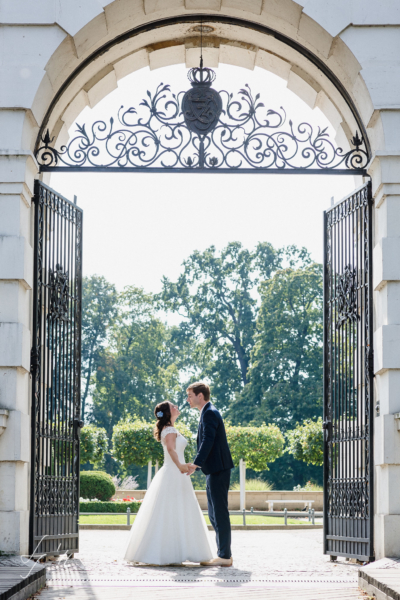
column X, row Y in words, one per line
column 285, row 377
column 306, row 442
column 216, row 297
column 99, row 308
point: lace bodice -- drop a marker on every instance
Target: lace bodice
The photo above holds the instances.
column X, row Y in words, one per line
column 180, row 444
column 166, row 431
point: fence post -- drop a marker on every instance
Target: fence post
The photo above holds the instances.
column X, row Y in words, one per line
column 285, row 515
column 242, row 476
column 128, row 516
column 309, row 515
column 149, row 468
column 313, row 516
column 244, row 516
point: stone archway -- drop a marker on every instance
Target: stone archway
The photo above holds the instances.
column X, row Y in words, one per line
column 53, row 44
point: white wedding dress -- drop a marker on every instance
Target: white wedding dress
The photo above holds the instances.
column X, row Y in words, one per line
column 169, row 527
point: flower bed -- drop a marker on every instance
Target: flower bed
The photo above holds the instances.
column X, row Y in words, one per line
column 97, row 506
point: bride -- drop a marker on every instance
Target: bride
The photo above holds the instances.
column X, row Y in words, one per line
column 170, row 527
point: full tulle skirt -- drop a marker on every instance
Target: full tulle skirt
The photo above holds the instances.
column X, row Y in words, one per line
column 169, row 527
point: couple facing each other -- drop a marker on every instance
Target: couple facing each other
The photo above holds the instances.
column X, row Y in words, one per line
column 170, row 527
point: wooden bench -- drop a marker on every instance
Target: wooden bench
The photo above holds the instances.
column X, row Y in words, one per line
column 271, row 503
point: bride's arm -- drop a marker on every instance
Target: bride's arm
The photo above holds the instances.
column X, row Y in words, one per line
column 170, row 442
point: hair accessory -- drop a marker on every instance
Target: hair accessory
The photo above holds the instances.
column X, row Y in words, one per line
column 160, row 414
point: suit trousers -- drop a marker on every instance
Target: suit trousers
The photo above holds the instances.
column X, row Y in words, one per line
column 217, row 497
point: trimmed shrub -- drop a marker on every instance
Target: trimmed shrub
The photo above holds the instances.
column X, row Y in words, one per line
column 306, row 442
column 257, row 446
column 94, row 444
column 111, row 507
column 96, row 484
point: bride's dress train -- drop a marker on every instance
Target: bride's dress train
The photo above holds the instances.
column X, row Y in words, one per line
column 170, row 527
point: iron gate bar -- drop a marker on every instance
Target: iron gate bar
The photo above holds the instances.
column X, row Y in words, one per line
column 55, row 369
column 194, row 19
column 348, row 377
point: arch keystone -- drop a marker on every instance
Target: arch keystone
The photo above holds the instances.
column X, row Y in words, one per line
column 210, row 57
column 203, row 4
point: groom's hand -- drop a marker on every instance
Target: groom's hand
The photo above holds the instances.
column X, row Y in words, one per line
column 191, row 469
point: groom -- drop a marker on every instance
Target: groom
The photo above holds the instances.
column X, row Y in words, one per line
column 214, row 459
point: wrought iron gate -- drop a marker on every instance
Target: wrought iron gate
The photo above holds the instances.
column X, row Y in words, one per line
column 348, row 373
column 55, row 369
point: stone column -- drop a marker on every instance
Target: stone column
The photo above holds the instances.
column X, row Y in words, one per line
column 17, row 170
column 386, row 186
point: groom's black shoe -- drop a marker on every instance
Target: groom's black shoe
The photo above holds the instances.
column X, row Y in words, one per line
column 218, row 562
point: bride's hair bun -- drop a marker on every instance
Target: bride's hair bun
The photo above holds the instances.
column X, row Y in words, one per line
column 163, row 414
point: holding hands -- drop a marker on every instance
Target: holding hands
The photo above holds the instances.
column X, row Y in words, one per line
column 191, row 469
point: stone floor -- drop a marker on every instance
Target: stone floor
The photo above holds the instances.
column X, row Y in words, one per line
column 273, row 564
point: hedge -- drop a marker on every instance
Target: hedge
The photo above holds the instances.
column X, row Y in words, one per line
column 96, row 484
column 111, row 507
column 134, row 443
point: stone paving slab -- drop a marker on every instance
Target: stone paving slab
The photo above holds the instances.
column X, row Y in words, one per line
column 381, row 578
column 204, row 593
column 266, row 558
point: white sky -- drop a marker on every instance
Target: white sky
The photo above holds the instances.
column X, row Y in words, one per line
column 139, row 227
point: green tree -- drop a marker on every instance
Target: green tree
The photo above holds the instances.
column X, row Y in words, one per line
column 306, row 442
column 216, row 297
column 285, row 379
column 99, row 308
column 137, row 369
column 93, row 445
column 257, row 446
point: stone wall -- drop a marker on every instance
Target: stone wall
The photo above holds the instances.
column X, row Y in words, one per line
column 257, row 500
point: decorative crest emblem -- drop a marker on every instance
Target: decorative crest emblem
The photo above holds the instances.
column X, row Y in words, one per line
column 59, row 291
column 201, row 105
column 347, row 302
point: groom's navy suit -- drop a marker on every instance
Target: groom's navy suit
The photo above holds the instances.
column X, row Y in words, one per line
column 215, row 460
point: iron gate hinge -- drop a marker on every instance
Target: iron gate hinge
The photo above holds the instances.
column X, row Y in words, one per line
column 34, row 360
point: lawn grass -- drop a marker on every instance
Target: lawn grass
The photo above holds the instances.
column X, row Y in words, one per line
column 235, row 520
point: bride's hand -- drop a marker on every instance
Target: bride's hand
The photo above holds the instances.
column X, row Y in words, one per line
column 184, row 468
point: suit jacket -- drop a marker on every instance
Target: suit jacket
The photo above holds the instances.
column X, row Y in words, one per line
column 213, row 452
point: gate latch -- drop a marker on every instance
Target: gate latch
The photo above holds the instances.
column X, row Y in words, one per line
column 325, row 424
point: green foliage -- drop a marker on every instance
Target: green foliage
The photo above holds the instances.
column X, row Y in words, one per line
column 99, row 300
column 96, row 484
column 285, row 378
column 108, row 507
column 215, row 296
column 257, row 446
column 305, row 442
column 134, row 443
column 94, row 444
column 137, row 369
column 254, row 485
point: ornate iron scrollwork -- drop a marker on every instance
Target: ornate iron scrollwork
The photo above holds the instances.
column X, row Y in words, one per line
column 202, row 129
column 346, row 297
column 59, row 293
